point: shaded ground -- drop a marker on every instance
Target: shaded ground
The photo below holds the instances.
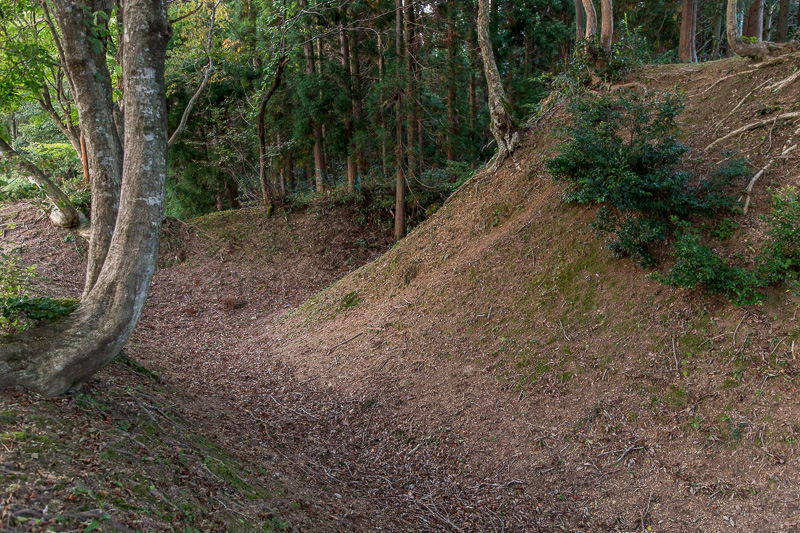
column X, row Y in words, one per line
column 497, row 370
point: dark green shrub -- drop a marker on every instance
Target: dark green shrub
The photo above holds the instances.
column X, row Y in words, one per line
column 779, row 261
column 699, row 266
column 624, row 153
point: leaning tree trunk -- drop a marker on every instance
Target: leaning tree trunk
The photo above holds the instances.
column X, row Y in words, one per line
column 607, row 29
column 757, row 51
column 51, row 359
column 64, row 213
column 687, row 50
column 88, row 70
column 502, row 126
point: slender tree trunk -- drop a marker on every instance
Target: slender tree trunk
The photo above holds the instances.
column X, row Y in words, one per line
column 783, row 21
column 319, row 156
column 412, row 154
column 382, row 116
column 502, row 125
column 51, row 359
column 64, row 213
column 452, row 58
column 607, row 30
column 352, row 169
column 267, row 192
column 591, row 19
column 580, row 21
column 355, row 102
column 400, row 182
column 687, row 50
column 93, row 98
column 473, row 96
column 84, row 162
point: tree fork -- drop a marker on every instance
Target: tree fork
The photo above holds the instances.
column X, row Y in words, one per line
column 53, row 358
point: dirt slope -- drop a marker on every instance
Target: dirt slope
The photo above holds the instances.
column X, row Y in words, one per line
column 566, row 377
column 497, row 370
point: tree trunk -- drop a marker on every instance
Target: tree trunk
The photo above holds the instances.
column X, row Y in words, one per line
column 607, row 29
column 411, row 93
column 580, row 21
column 754, row 21
column 591, row 19
column 93, row 98
column 53, row 358
column 400, row 182
column 267, row 192
column 757, row 51
column 783, row 21
column 355, row 102
column 452, row 58
column 352, row 170
column 687, row 50
column 319, row 156
column 64, row 213
column 502, row 125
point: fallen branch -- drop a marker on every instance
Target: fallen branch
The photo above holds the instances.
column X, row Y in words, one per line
column 752, row 126
column 330, row 351
column 760, row 173
column 778, row 85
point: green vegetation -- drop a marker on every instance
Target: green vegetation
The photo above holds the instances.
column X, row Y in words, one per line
column 623, row 154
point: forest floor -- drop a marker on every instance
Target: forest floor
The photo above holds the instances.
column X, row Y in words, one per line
column 498, row 370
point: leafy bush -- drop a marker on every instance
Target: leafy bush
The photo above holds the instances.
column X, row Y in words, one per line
column 18, row 311
column 624, row 153
column 698, row 265
column 778, row 262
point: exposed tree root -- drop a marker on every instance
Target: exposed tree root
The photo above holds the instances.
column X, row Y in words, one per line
column 777, row 86
column 760, row 173
column 752, row 126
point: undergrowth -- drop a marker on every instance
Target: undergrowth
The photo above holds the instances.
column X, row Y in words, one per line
column 623, row 155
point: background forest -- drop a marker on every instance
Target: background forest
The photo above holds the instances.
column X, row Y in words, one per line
column 276, row 101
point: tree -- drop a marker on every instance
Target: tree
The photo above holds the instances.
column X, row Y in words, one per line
column 502, row 124
column 607, row 29
column 687, row 50
column 591, row 19
column 783, row 21
column 580, row 21
column 754, row 21
column 64, row 213
column 50, row 359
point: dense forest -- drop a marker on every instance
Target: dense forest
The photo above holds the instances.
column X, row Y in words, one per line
column 399, row 265
column 273, row 102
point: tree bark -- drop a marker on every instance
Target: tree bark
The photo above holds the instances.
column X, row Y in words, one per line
column 607, row 29
column 267, row 192
column 352, row 169
column 754, row 21
column 591, row 19
column 580, row 21
column 400, row 182
column 89, row 73
column 502, row 125
column 51, row 359
column 64, row 213
column 411, row 93
column 783, row 21
column 757, row 51
column 319, row 155
column 687, row 50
